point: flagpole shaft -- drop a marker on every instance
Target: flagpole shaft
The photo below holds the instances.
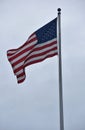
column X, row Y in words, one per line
column 60, row 73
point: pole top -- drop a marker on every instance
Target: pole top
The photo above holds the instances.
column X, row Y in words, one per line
column 59, row 10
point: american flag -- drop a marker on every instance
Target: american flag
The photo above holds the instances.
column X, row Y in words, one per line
column 40, row 45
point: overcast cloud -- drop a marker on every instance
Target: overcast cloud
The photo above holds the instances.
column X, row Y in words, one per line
column 34, row 104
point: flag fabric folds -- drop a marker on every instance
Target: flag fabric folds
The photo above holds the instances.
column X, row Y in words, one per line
column 40, row 45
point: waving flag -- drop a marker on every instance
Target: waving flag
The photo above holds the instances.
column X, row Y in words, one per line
column 40, row 45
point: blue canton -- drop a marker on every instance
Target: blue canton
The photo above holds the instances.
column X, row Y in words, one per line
column 47, row 32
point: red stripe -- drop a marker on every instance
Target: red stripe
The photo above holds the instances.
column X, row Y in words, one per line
column 35, row 55
column 35, row 49
column 17, row 62
column 44, row 46
column 39, row 60
column 20, row 81
column 41, row 54
column 27, row 42
column 18, row 69
column 22, row 66
column 32, row 35
column 20, row 53
column 22, row 74
column 36, row 61
column 8, row 52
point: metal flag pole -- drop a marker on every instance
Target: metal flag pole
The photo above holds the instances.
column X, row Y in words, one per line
column 60, row 72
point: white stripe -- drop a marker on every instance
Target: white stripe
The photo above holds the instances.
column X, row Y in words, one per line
column 18, row 65
column 31, row 37
column 11, row 51
column 14, row 50
column 19, row 72
column 45, row 43
column 35, row 58
column 42, row 50
column 21, row 56
column 23, row 48
column 34, row 53
column 20, row 78
column 38, row 45
column 41, row 57
column 41, row 44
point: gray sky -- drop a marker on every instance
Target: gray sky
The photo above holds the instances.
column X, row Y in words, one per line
column 34, row 104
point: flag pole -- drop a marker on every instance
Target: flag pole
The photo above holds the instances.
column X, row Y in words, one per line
column 60, row 73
